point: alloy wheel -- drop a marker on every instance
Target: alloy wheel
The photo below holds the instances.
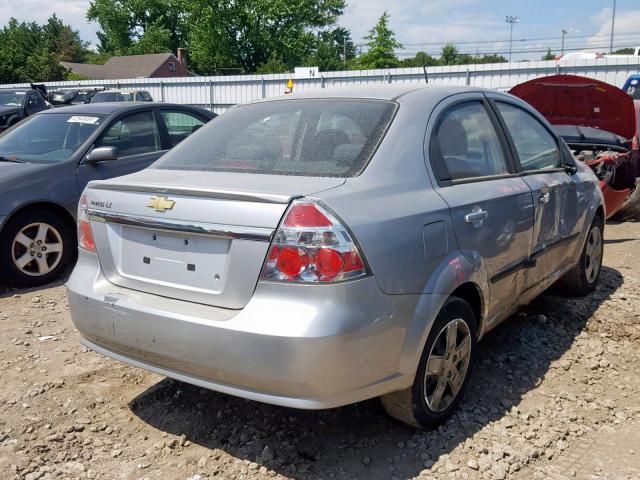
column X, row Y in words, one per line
column 447, row 365
column 37, row 249
column 593, row 254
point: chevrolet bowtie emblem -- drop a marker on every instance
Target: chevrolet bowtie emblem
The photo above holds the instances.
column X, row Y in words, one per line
column 161, row 204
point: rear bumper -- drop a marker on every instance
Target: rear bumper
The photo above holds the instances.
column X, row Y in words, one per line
column 298, row 346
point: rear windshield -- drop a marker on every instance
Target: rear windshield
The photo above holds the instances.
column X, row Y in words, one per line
column 315, row 138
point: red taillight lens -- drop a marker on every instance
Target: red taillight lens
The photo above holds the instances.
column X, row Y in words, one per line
column 306, row 215
column 311, row 246
column 85, row 235
column 329, row 263
column 292, row 261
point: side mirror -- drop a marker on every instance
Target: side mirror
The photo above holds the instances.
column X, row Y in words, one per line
column 102, row 154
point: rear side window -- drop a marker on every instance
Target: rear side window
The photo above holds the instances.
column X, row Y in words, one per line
column 180, row 125
column 537, row 148
column 467, row 143
column 332, row 138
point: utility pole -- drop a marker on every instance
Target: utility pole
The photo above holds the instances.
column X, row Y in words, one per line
column 564, row 32
column 344, row 51
column 511, row 19
column 613, row 24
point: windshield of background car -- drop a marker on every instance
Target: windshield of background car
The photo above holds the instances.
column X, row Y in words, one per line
column 315, row 138
column 48, row 138
column 111, row 97
column 12, row 99
column 634, row 89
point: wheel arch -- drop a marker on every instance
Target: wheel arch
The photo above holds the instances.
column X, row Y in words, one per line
column 50, row 207
column 459, row 277
column 471, row 293
column 600, row 213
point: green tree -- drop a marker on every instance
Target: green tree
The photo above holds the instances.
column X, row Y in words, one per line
column 449, row 55
column 625, row 51
column 32, row 53
column 549, row 55
column 493, row 58
column 247, row 33
column 63, row 41
column 333, row 50
column 139, row 26
column 273, row 65
column 421, row 59
column 382, row 45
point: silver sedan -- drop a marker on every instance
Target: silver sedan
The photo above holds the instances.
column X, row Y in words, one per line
column 329, row 247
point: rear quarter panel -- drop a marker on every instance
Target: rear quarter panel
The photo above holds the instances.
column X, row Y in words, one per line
column 404, row 227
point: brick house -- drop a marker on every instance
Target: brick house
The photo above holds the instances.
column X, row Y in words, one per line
column 158, row 65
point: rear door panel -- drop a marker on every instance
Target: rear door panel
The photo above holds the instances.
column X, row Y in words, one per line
column 492, row 215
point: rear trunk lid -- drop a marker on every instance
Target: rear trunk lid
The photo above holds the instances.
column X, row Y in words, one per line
column 574, row 100
column 194, row 236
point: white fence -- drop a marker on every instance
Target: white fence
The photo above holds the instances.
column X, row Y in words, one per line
column 220, row 92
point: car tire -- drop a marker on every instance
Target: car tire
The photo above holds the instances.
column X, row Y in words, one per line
column 583, row 278
column 630, row 209
column 437, row 391
column 42, row 240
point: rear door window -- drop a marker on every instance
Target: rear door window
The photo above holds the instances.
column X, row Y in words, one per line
column 467, row 144
column 180, row 125
column 319, row 137
column 133, row 135
column 537, row 148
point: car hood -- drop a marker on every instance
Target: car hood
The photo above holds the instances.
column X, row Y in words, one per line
column 4, row 109
column 574, row 100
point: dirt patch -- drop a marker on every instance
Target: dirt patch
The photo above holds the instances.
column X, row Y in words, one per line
column 554, row 395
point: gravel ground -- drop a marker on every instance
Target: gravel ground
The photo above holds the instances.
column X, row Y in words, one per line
column 554, row 395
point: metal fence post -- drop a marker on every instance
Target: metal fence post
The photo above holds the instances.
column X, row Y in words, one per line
column 161, row 90
column 467, row 80
column 211, row 95
column 321, row 81
column 263, row 88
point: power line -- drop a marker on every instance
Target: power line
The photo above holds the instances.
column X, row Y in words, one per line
column 533, row 39
column 505, row 52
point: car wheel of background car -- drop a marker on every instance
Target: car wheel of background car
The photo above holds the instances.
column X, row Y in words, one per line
column 443, row 371
column 583, row 278
column 35, row 248
column 630, row 209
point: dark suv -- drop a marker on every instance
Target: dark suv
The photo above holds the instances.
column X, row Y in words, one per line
column 19, row 103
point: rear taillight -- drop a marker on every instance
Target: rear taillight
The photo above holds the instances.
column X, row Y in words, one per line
column 85, row 235
column 310, row 246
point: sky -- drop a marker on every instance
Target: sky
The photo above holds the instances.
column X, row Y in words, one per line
column 476, row 26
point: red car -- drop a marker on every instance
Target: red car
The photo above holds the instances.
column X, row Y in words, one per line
column 598, row 122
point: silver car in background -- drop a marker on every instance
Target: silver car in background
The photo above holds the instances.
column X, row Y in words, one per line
column 334, row 246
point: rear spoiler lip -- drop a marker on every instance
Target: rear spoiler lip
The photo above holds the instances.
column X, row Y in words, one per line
column 284, row 199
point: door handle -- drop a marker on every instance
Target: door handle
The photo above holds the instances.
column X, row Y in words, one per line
column 477, row 216
column 544, row 198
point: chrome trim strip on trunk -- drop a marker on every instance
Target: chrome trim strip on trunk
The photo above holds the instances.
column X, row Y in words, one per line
column 235, row 232
column 196, row 192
